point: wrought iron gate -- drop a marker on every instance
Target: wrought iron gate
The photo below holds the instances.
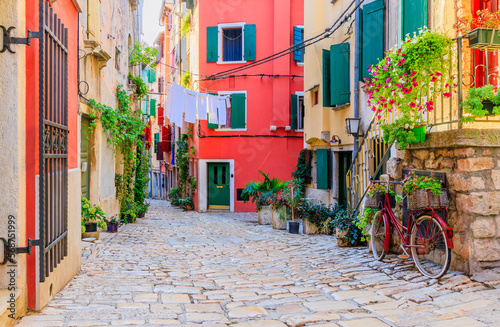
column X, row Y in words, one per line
column 53, row 136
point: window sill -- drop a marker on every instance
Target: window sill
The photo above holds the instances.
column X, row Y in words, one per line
column 299, row 130
column 231, row 62
column 300, row 64
column 230, row 129
column 342, row 106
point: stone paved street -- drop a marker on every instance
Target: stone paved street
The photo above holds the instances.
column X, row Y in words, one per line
column 218, row 269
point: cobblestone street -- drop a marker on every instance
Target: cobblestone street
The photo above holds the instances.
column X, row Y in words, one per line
column 217, row 269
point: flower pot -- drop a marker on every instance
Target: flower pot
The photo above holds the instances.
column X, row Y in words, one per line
column 266, row 215
column 277, row 222
column 310, row 228
column 488, row 106
column 126, row 217
column 419, row 132
column 90, row 228
column 112, row 228
column 293, row 227
column 484, row 38
column 141, row 215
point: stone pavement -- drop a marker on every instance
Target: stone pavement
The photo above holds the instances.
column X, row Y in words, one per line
column 219, row 269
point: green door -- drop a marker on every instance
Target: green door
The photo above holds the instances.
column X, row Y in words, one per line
column 218, row 186
column 85, row 157
column 345, row 159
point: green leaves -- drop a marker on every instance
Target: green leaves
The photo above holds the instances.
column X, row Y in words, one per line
column 142, row 54
column 475, row 101
column 141, row 90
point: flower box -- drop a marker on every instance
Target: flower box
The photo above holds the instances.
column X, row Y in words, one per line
column 419, row 132
column 377, row 201
column 484, row 38
column 423, row 199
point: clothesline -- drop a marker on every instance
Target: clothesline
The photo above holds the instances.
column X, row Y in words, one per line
column 183, row 105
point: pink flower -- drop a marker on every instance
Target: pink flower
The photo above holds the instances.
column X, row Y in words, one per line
column 413, row 73
column 415, row 84
column 378, row 117
column 405, row 74
column 388, row 80
column 438, row 74
column 434, row 79
column 391, row 101
column 412, row 104
column 447, row 94
column 374, row 108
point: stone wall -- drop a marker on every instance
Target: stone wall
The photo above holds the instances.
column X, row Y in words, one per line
column 471, row 160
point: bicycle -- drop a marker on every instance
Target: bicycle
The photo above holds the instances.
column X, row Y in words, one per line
column 427, row 236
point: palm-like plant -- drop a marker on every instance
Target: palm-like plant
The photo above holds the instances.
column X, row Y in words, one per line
column 261, row 192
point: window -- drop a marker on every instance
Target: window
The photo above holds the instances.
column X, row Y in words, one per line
column 297, row 111
column 231, row 43
column 298, row 38
column 117, row 58
column 315, row 97
column 371, row 36
column 336, row 81
column 236, row 113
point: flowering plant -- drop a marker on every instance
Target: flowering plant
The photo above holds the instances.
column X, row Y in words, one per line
column 407, row 83
column 483, row 19
column 376, row 188
column 92, row 214
column 473, row 103
column 413, row 182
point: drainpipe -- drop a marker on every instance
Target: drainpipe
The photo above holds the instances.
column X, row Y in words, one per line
column 356, row 73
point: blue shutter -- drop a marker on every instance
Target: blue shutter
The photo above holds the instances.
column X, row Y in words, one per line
column 250, row 34
column 339, row 74
column 373, row 35
column 212, row 43
column 297, row 39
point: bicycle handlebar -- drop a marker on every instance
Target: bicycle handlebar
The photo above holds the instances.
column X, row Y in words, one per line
column 388, row 182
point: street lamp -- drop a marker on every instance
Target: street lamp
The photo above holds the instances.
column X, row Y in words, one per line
column 353, row 126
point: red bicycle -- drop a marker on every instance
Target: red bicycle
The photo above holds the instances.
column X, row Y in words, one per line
column 427, row 236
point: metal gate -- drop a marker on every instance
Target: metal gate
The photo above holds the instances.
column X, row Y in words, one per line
column 53, row 140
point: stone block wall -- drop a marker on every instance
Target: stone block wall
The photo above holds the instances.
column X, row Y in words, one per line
column 471, row 160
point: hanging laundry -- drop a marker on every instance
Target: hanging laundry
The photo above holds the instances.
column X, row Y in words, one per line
column 177, row 110
column 228, row 101
column 202, row 106
column 190, row 106
column 212, row 109
column 168, row 104
column 221, row 106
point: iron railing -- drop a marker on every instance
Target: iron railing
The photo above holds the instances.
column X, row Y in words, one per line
column 373, row 153
column 53, row 147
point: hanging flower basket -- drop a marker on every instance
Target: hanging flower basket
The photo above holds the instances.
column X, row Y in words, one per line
column 423, row 199
column 377, row 201
column 484, row 38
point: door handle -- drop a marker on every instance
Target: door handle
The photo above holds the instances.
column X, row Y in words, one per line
column 219, row 186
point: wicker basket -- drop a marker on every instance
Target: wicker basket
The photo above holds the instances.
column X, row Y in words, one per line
column 377, row 201
column 423, row 199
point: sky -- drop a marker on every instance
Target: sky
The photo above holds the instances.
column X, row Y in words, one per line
column 150, row 22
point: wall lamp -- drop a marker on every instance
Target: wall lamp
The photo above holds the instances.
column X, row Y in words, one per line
column 336, row 139
column 353, row 126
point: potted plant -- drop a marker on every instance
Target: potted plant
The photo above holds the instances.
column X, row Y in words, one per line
column 279, row 205
column 481, row 30
column 480, row 102
column 348, row 233
column 424, row 192
column 376, row 196
column 142, row 209
column 260, row 193
column 407, row 83
column 92, row 216
column 129, row 213
column 112, row 225
column 363, row 222
column 186, row 204
column 295, row 199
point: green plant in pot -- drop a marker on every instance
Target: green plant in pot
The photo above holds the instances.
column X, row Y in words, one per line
column 112, row 225
column 186, row 204
column 142, row 209
column 348, row 233
column 295, row 199
column 92, row 216
column 363, row 222
column 260, row 192
column 481, row 102
column 481, row 30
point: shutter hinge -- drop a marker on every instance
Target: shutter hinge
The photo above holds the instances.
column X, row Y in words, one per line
column 9, row 250
column 8, row 39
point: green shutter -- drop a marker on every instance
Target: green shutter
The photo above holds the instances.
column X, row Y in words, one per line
column 297, row 39
column 327, row 102
column 151, row 75
column 293, row 111
column 414, row 16
column 360, row 42
column 238, row 110
column 157, row 139
column 152, row 107
column 250, row 32
column 322, row 173
column 212, row 43
column 373, row 38
column 190, row 4
column 339, row 74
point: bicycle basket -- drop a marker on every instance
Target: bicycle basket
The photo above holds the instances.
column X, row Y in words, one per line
column 423, row 199
column 377, row 201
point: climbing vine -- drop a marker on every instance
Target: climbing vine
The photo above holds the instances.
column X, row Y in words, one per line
column 124, row 126
column 141, row 88
column 186, row 184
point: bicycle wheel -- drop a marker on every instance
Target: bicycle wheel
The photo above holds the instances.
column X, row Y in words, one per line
column 377, row 236
column 432, row 255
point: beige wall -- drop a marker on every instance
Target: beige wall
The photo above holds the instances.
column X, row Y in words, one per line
column 13, row 148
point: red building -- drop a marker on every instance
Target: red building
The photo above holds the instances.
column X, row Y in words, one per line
column 263, row 127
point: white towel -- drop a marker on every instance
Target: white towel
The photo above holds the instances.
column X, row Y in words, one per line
column 212, row 110
column 190, row 106
column 177, row 105
column 202, row 106
column 228, row 101
column 168, row 104
column 221, row 106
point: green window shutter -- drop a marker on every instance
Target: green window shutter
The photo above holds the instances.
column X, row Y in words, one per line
column 297, row 39
column 339, row 74
column 157, row 139
column 190, row 4
column 152, row 107
column 322, row 169
column 327, row 102
column 250, row 32
column 360, row 41
column 151, row 75
column 293, row 111
column 212, row 43
column 373, row 39
column 238, row 110
column 414, row 16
